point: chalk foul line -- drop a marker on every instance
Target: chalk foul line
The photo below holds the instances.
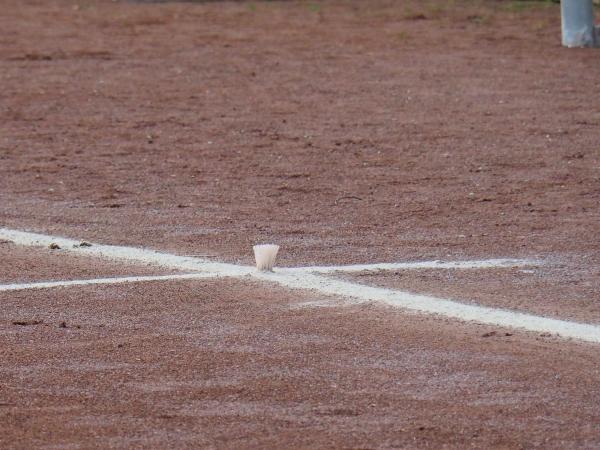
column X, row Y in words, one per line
column 110, row 280
column 437, row 306
column 476, row 264
column 307, row 278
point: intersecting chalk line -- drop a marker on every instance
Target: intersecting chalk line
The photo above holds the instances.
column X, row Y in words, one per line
column 306, row 278
column 317, row 269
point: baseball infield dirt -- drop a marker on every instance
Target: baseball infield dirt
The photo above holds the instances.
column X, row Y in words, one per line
column 344, row 131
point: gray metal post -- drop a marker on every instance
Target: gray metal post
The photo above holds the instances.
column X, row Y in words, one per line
column 578, row 28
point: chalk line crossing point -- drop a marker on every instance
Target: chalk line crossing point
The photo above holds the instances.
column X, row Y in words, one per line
column 308, row 278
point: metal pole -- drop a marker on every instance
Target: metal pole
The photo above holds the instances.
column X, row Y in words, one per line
column 578, row 28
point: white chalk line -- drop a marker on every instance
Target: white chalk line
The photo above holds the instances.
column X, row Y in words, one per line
column 438, row 306
column 476, row 264
column 111, row 280
column 147, row 256
column 304, row 280
column 126, row 254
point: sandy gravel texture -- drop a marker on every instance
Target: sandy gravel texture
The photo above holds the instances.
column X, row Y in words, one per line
column 558, row 290
column 221, row 365
column 344, row 131
column 34, row 264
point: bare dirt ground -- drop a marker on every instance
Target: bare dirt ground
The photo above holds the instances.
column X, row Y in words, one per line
column 22, row 265
column 208, row 364
column 559, row 291
column 345, row 131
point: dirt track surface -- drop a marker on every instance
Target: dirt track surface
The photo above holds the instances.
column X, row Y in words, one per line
column 231, row 365
column 24, row 265
column 347, row 132
column 559, row 291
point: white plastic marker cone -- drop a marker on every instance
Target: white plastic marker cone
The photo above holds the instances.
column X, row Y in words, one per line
column 265, row 256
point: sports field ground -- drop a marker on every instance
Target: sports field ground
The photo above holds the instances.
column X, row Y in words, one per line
column 430, row 170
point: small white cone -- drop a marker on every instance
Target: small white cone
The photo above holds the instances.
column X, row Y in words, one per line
column 265, row 256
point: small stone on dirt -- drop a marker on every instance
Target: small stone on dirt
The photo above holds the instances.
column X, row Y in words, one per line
column 25, row 323
column 489, row 334
column 54, row 246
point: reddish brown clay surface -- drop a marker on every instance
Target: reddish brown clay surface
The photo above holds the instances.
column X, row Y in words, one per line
column 346, row 132
column 24, row 265
column 209, row 364
column 562, row 291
